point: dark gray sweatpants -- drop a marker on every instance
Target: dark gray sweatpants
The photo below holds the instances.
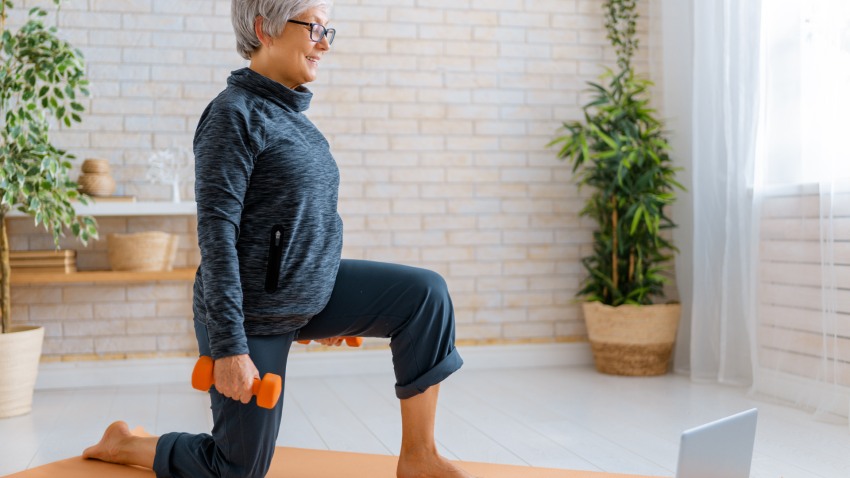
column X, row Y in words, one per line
column 370, row 299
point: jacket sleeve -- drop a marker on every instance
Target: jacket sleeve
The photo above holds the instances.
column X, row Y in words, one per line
column 225, row 147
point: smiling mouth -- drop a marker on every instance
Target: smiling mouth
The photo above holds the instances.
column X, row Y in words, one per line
column 314, row 62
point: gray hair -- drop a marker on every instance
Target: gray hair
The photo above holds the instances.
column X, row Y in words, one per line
column 275, row 13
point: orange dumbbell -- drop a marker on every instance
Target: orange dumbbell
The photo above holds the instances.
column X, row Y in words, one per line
column 267, row 390
column 351, row 341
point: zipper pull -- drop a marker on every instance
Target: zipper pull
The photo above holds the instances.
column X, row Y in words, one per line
column 275, row 257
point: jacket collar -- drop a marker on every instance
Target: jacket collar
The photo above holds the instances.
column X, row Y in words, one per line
column 297, row 99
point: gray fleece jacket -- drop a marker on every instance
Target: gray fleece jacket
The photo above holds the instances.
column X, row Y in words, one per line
column 270, row 236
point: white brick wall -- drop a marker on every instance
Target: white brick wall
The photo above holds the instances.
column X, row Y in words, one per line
column 437, row 113
column 85, row 321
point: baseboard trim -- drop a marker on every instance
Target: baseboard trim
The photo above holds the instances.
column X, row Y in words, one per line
column 804, row 392
column 110, row 373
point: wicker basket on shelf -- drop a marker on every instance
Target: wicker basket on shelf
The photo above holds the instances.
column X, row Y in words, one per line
column 141, row 251
column 96, row 184
column 95, row 166
column 95, row 179
column 171, row 255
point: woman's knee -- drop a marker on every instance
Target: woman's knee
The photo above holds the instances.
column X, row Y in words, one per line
column 244, row 437
column 251, row 464
column 433, row 284
column 436, row 305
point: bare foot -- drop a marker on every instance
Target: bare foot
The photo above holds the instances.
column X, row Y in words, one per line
column 109, row 448
column 428, row 466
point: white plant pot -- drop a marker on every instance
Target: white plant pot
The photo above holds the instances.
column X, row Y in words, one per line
column 20, row 351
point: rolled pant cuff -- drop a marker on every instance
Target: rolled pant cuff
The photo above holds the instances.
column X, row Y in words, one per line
column 162, row 456
column 437, row 374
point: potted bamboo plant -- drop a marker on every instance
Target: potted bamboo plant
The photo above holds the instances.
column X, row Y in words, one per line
column 620, row 152
column 40, row 76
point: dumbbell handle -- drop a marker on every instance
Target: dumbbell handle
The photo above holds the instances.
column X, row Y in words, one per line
column 255, row 389
column 267, row 390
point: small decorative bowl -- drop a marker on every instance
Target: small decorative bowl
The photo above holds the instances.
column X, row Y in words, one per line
column 96, row 166
column 96, row 184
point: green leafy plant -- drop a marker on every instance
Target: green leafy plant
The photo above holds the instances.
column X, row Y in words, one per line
column 40, row 75
column 620, row 151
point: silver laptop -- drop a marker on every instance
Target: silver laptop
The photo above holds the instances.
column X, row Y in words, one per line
column 720, row 449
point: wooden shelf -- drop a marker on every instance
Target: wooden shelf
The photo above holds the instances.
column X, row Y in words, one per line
column 182, row 274
column 148, row 208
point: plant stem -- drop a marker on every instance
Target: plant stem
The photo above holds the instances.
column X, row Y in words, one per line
column 6, row 271
column 614, row 252
column 632, row 265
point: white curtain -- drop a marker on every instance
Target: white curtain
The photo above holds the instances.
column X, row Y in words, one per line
column 771, row 200
column 803, row 332
column 676, row 45
column 725, row 126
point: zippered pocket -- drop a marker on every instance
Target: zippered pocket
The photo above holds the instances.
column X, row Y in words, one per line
column 275, row 254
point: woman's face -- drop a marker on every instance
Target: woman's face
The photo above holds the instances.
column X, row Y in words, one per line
column 294, row 59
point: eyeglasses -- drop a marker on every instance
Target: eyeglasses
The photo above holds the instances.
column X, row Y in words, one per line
column 318, row 31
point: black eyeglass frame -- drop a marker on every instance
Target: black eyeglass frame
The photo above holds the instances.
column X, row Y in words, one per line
column 324, row 31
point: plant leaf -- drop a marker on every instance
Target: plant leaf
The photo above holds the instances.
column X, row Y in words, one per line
column 636, row 219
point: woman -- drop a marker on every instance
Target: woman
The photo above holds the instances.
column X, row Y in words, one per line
column 270, row 273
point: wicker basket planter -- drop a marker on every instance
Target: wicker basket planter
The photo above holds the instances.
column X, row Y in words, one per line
column 632, row 340
column 142, row 251
column 20, row 351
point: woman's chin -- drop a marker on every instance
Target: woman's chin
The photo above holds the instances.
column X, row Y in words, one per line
column 310, row 76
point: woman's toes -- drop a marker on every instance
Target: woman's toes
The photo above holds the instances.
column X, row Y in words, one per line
column 109, row 448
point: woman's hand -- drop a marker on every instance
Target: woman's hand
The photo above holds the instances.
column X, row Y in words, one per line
column 331, row 341
column 234, row 377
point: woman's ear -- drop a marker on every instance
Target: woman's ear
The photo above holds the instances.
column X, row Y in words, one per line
column 258, row 29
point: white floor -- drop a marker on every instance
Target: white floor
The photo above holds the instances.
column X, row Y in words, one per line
column 560, row 417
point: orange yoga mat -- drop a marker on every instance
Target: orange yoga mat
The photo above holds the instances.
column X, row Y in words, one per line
column 305, row 463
